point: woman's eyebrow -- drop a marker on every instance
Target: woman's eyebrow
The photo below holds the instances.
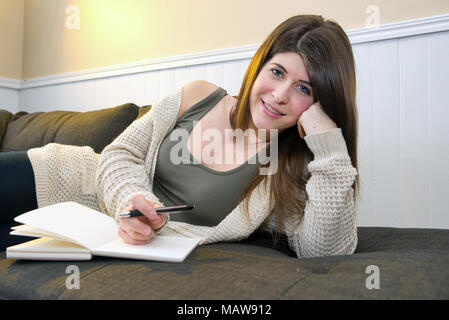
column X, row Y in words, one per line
column 280, row 66
column 285, row 70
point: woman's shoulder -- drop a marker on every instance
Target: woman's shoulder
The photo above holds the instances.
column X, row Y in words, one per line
column 194, row 92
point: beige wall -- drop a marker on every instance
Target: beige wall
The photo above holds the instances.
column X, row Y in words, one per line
column 119, row 31
column 11, row 38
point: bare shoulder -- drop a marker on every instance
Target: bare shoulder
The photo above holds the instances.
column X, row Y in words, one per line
column 194, row 92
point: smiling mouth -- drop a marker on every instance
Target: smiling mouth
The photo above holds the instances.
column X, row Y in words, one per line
column 271, row 112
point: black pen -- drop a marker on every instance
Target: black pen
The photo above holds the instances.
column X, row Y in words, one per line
column 137, row 213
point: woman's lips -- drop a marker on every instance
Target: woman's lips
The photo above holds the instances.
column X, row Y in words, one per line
column 269, row 112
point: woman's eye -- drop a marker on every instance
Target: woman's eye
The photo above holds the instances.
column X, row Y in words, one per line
column 304, row 89
column 277, row 72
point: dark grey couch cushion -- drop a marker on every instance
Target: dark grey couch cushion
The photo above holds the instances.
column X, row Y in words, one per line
column 413, row 264
column 94, row 128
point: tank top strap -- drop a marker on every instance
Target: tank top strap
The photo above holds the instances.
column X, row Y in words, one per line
column 199, row 109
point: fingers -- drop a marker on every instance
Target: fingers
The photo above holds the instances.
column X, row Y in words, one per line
column 135, row 230
column 314, row 120
column 310, row 110
column 301, row 130
column 163, row 217
column 144, row 206
column 303, row 118
column 139, row 230
column 129, row 239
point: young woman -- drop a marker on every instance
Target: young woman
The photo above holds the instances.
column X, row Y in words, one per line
column 301, row 85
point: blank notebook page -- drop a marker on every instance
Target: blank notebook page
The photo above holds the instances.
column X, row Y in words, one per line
column 89, row 227
column 160, row 248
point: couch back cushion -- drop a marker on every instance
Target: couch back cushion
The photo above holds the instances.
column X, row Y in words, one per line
column 94, row 128
column 5, row 118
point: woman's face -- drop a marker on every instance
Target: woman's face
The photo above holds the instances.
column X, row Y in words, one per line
column 281, row 92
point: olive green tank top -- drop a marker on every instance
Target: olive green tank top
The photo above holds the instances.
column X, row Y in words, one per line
column 184, row 181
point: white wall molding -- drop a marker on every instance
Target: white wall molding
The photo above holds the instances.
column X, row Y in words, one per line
column 356, row 36
column 400, row 29
column 231, row 54
column 11, row 83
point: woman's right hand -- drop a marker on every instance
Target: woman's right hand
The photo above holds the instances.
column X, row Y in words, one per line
column 139, row 230
column 314, row 120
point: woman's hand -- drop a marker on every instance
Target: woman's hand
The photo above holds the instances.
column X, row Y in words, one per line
column 139, row 230
column 314, row 120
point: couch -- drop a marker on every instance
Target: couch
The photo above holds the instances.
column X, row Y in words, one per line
column 389, row 263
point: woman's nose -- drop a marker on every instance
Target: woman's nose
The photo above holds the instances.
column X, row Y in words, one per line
column 281, row 93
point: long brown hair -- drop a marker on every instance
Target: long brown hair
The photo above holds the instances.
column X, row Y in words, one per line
column 327, row 55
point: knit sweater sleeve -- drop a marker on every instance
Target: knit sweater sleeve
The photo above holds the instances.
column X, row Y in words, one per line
column 328, row 226
column 126, row 166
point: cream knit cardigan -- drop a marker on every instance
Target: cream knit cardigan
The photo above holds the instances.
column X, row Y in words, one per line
column 126, row 167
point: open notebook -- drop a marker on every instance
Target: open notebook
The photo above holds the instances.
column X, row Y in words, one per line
column 70, row 231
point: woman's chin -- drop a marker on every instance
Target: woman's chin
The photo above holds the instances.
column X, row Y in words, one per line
column 266, row 125
column 260, row 123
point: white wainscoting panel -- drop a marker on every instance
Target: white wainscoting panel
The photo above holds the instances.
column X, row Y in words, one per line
column 386, row 131
column 9, row 99
column 402, row 97
column 438, row 133
column 403, row 101
column 414, row 125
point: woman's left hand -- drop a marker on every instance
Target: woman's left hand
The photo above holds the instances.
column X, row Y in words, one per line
column 314, row 120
